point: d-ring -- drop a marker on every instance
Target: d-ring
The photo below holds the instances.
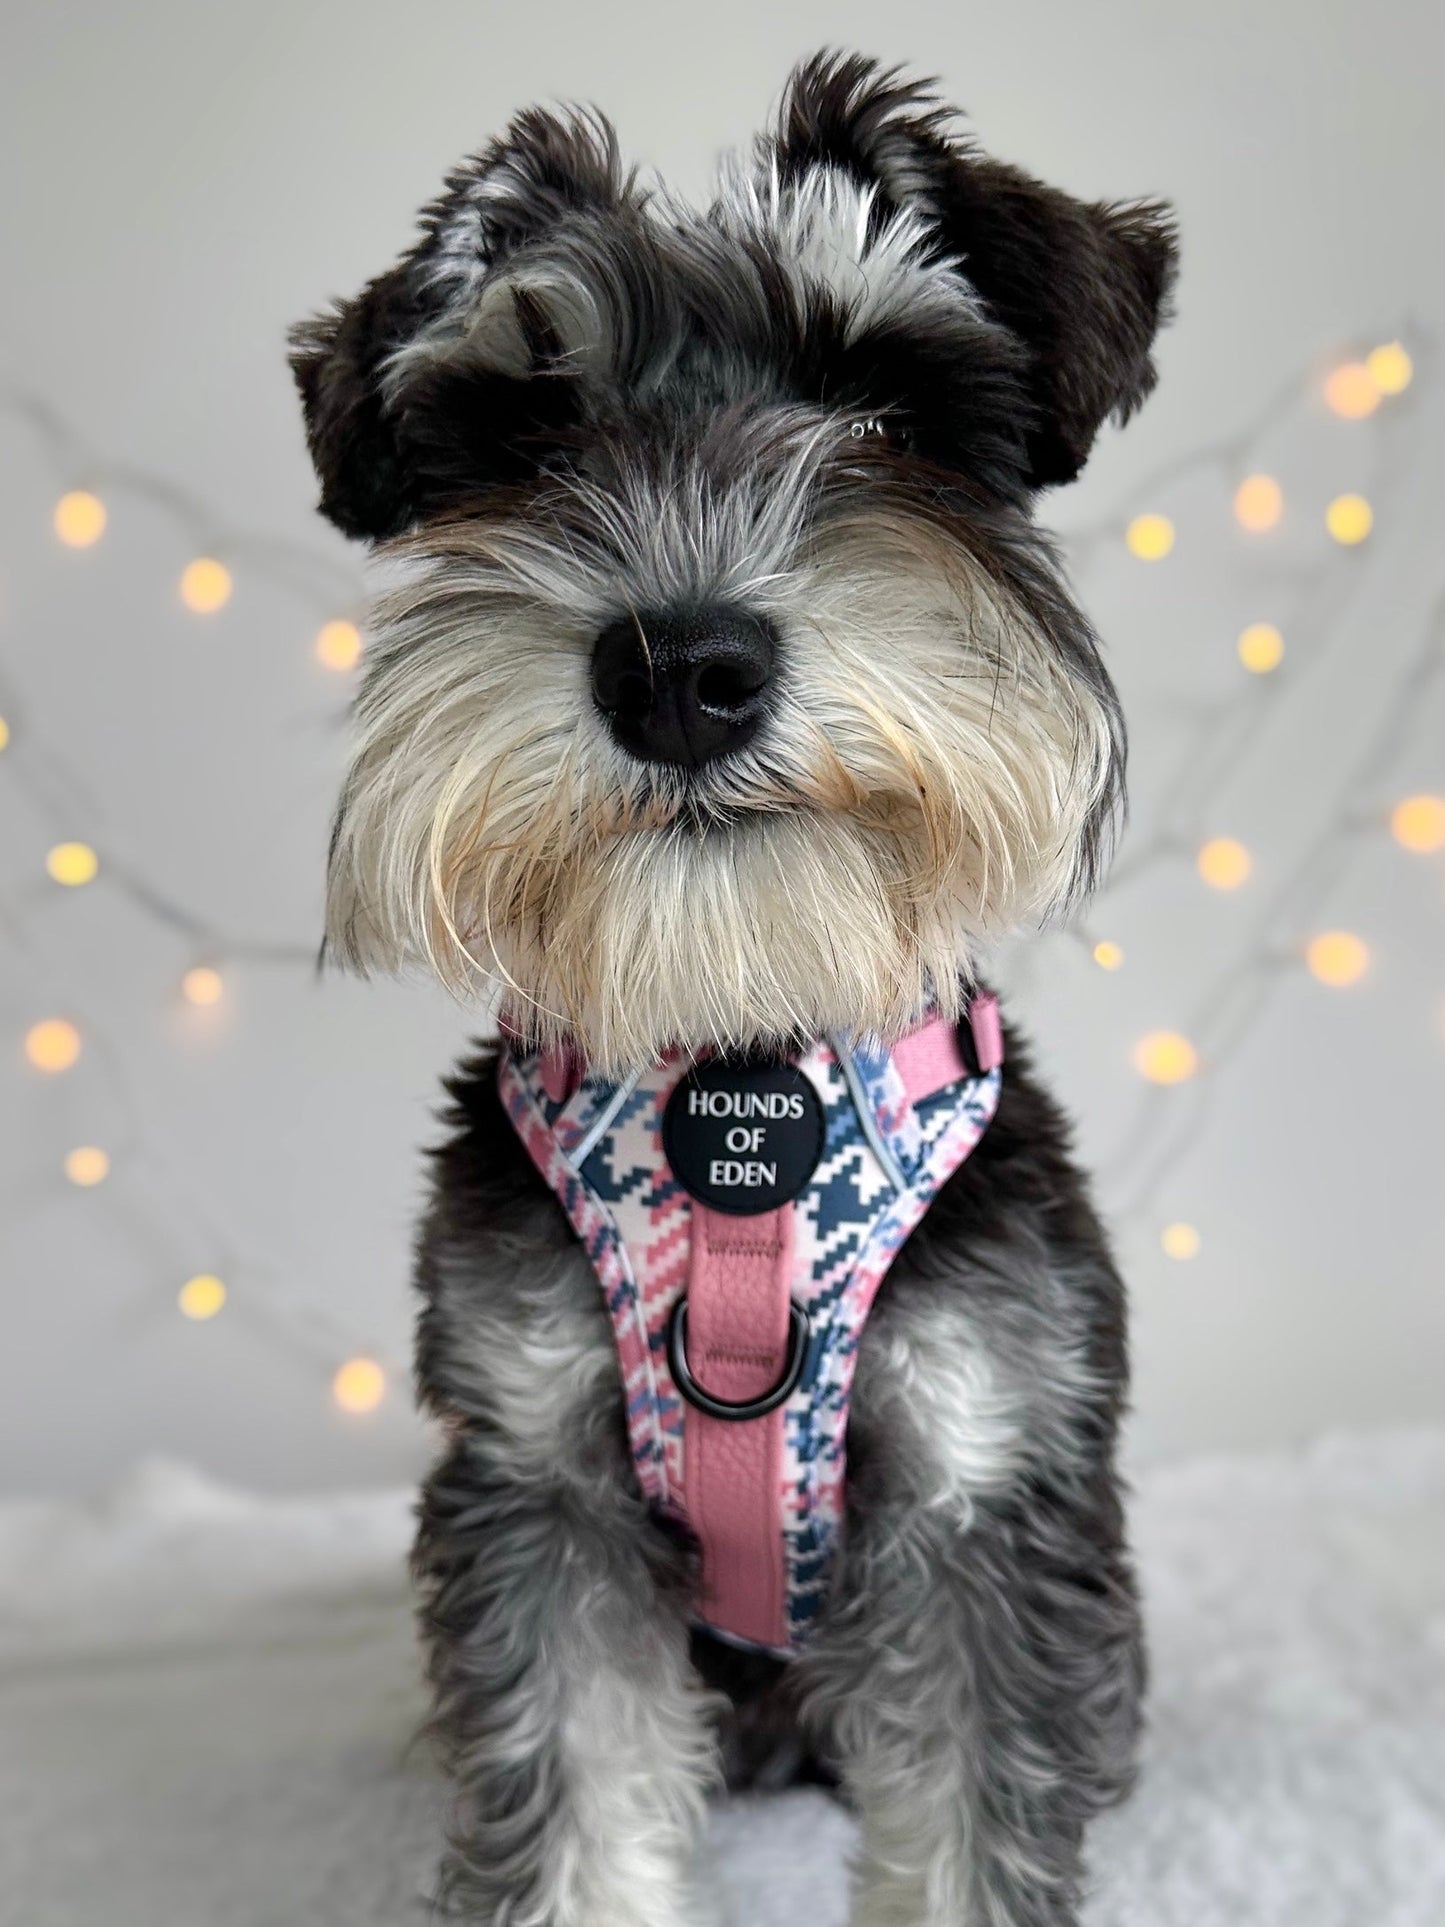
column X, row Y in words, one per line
column 745, row 1408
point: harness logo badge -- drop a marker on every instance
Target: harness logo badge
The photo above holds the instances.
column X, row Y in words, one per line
column 743, row 1137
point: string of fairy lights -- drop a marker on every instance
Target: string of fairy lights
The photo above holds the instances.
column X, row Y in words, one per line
column 242, row 1283
column 1358, row 388
column 1287, row 937
column 1229, row 1011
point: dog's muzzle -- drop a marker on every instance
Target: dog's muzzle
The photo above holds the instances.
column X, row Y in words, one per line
column 684, row 689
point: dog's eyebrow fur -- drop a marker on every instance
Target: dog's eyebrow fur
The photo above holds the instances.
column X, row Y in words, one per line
column 632, row 311
column 866, row 213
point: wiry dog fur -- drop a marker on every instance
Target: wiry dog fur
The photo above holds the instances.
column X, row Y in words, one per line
column 825, row 403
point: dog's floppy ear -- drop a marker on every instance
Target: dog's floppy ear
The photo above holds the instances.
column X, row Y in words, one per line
column 1084, row 285
column 546, row 165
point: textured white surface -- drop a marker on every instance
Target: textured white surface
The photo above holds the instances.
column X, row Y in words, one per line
column 208, row 1703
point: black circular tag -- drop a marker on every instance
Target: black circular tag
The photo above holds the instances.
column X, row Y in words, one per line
column 741, row 1137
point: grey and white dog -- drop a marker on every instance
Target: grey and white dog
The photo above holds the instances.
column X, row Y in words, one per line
column 727, row 695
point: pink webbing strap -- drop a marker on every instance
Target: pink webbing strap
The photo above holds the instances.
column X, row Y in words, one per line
column 740, row 1270
column 930, row 1057
column 738, row 1298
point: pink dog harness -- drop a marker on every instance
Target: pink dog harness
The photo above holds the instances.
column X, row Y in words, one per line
column 741, row 1216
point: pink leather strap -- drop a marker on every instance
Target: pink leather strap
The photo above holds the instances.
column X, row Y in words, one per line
column 737, row 1347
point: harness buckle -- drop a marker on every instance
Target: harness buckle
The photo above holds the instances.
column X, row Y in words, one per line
column 799, row 1331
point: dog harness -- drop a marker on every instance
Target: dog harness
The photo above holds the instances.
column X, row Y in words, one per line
column 740, row 1216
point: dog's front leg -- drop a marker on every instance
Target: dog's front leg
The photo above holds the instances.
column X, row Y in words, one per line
column 980, row 1688
column 575, row 1735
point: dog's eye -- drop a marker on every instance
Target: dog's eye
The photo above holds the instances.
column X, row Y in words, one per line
column 881, row 430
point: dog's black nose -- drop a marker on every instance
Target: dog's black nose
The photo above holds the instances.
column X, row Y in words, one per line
column 683, row 689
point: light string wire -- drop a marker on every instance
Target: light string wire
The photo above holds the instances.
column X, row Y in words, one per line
column 160, row 1204
column 1227, row 729
column 1229, row 1011
column 157, row 1202
column 1169, row 1123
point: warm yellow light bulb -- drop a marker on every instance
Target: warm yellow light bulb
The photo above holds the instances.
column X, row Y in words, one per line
column 1418, row 823
column 1108, row 955
column 338, row 645
column 4, row 732
column 72, row 864
column 202, row 985
column 201, row 1297
column 1352, row 391
column 205, row 585
column 79, row 518
column 1260, row 648
column 1338, row 958
column 1150, row 537
column 1349, row 519
column 53, row 1044
column 87, row 1164
column 359, row 1385
column 1180, row 1240
column 1258, row 503
column 1224, row 863
column 1390, row 367
column 1165, row 1057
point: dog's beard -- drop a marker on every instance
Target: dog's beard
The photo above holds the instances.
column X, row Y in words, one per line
column 931, row 775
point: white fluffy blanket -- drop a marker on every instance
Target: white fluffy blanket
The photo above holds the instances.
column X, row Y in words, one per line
column 207, row 1703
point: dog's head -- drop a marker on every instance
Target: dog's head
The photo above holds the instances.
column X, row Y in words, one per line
column 727, row 691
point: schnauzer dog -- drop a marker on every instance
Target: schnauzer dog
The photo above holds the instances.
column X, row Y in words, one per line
column 723, row 700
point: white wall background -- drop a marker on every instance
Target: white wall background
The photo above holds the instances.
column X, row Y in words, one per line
column 181, row 181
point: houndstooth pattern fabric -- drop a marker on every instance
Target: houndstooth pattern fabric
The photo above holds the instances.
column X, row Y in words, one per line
column 599, row 1147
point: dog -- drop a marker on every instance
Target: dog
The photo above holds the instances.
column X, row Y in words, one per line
column 722, row 703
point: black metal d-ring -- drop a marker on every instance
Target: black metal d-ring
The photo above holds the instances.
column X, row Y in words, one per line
column 744, row 1408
